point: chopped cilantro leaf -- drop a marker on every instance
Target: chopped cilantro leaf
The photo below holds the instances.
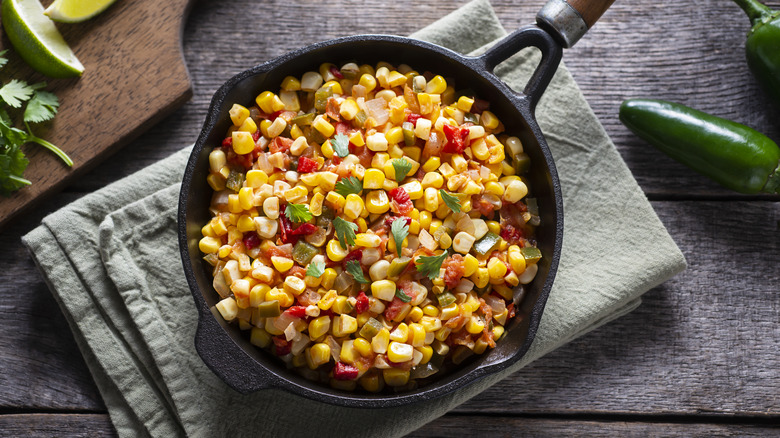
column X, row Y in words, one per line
column 451, row 200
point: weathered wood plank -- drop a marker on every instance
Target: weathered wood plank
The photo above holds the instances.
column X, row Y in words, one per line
column 61, row 425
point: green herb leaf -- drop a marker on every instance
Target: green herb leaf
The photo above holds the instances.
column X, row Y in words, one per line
column 3, row 58
column 42, row 107
column 349, row 185
column 402, row 296
column 12, row 165
column 315, row 269
column 16, row 92
column 345, row 231
column 340, row 145
column 430, row 265
column 452, row 201
column 298, row 213
column 402, row 168
column 353, row 267
column 399, row 229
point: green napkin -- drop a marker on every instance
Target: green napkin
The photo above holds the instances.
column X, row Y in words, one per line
column 111, row 260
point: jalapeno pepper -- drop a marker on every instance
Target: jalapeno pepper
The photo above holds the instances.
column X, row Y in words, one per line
column 736, row 156
column 762, row 46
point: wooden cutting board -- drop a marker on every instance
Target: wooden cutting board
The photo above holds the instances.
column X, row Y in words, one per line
column 134, row 76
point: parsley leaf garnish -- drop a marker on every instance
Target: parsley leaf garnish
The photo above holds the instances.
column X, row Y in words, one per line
column 340, row 145
column 402, row 296
column 399, row 229
column 402, row 168
column 345, row 231
column 430, row 265
column 298, row 213
column 451, row 200
column 16, row 92
column 315, row 269
column 353, row 267
column 42, row 107
column 348, row 185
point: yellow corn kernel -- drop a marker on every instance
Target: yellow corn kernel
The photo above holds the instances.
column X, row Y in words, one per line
column 515, row 191
column 430, row 323
column 399, row 351
column 207, row 230
column 488, row 120
column 516, row 259
column 395, row 376
column 257, row 294
column 425, row 219
column 341, row 305
column 249, row 126
column 238, row 114
column 471, row 188
column 356, row 138
column 435, row 224
column 400, row 333
column 494, row 188
column 295, row 132
column 416, row 334
column 259, row 337
column 380, row 341
column 394, row 135
column 245, row 223
column 494, row 227
column 431, row 310
column 245, row 197
column 349, row 109
column 328, row 277
column 362, row 346
column 395, row 79
column 328, row 180
column 334, row 251
column 498, row 331
column 373, row 179
column 335, row 200
column 436, row 85
column 317, row 355
column 414, row 227
column 291, row 83
column 294, row 285
column 464, row 103
column 256, row 178
column 427, row 353
column 335, row 87
column 426, row 103
column 432, row 164
column 377, row 202
column 368, row 81
column 323, row 126
column 481, row 277
column 282, row 264
column 276, row 128
column 450, row 311
column 362, row 225
column 353, row 205
column 367, row 240
column 397, row 106
column 379, row 160
column 431, row 197
column 225, row 251
column 285, row 299
column 505, row 292
column 243, row 143
column 327, row 149
column 328, row 299
column 319, row 326
column 475, row 325
column 416, row 314
column 470, row 265
column 432, row 179
column 383, row 290
column 216, row 182
column 422, row 128
column 376, row 142
column 343, row 325
column 348, row 353
column 209, row 245
column 315, row 206
column 371, row 382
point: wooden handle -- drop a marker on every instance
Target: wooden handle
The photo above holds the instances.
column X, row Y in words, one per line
column 591, row 10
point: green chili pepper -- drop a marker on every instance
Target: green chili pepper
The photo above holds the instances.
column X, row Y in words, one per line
column 303, row 120
column 321, row 97
column 370, row 328
column 531, row 254
column 737, row 157
column 487, row 243
column 397, row 266
column 522, row 163
column 235, row 180
column 303, row 253
column 763, row 46
column 408, row 130
column 269, row 309
column 446, row 299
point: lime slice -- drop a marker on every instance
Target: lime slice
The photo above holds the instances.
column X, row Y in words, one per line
column 74, row 11
column 37, row 40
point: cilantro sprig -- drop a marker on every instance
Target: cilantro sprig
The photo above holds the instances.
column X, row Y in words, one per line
column 345, row 231
column 349, row 185
column 40, row 107
column 402, row 296
column 450, row 200
column 315, row 269
column 402, row 168
column 354, row 269
column 340, row 145
column 430, row 265
column 399, row 229
column 298, row 213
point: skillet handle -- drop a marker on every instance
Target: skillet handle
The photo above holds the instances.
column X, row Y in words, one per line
column 568, row 20
column 530, row 36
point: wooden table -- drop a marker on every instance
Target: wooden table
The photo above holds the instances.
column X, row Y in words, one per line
column 698, row 358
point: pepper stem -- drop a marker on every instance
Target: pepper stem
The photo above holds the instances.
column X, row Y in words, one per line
column 755, row 10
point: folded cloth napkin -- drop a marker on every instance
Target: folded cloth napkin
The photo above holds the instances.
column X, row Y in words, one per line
column 111, row 260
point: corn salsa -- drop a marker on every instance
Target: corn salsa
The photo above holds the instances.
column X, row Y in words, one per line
column 371, row 225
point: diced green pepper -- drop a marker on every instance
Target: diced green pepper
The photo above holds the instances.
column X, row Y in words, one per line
column 446, row 299
column 397, row 266
column 235, row 180
column 370, row 328
column 522, row 163
column 533, row 206
column 313, row 136
column 487, row 243
column 303, row 253
column 321, row 97
column 269, row 309
column 360, row 118
column 531, row 254
column 408, row 130
column 471, row 118
column 303, row 120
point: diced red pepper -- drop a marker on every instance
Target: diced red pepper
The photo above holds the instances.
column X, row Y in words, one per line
column 290, row 234
column 457, row 139
column 281, row 346
column 251, row 240
column 393, row 309
column 274, row 115
column 306, row 165
column 361, row 306
column 353, row 255
column 399, row 195
column 511, row 234
column 343, row 371
column 412, row 118
column 256, row 135
column 227, row 142
column 336, row 72
column 296, row 311
column 390, row 219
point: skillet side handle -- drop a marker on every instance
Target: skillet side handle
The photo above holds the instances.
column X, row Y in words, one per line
column 569, row 20
column 530, row 36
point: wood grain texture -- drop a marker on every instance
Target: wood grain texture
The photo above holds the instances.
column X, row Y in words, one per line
column 698, row 358
column 134, row 76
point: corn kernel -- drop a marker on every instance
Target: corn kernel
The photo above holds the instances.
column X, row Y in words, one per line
column 249, row 126
column 367, row 81
column 227, row 308
column 323, row 126
column 209, row 245
column 395, row 376
column 481, row 278
column 376, row 142
column 394, row 135
column 243, row 143
column 471, row 188
column 377, row 202
column 494, row 227
column 465, row 103
column 489, row 120
column 431, row 196
column 356, row 138
column 334, row 251
column 373, row 179
column 515, row 191
column 436, row 85
column 256, row 178
column 259, row 337
column 400, row 333
column 516, row 259
column 399, row 352
column 294, row 285
column 383, row 290
column 367, row 240
column 349, row 109
column 470, row 265
column 380, row 341
column 291, row 83
column 353, row 205
column 422, row 128
column 335, row 200
column 317, row 355
column 245, row 223
column 238, row 114
column 416, row 335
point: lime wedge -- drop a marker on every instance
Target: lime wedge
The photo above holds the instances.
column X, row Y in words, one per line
column 37, row 40
column 74, row 11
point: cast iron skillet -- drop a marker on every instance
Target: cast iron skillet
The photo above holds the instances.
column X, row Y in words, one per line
column 246, row 368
